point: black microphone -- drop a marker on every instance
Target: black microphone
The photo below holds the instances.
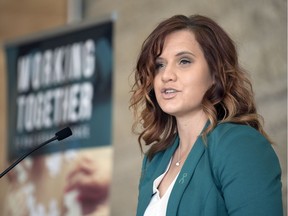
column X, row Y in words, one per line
column 60, row 135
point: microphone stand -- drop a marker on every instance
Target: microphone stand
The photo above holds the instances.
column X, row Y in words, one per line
column 60, row 135
column 25, row 155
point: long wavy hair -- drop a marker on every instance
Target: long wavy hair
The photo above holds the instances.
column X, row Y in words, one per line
column 229, row 99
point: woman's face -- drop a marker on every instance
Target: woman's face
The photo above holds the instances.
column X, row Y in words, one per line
column 182, row 76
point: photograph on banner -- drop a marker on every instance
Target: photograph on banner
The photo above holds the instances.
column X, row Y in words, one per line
column 57, row 80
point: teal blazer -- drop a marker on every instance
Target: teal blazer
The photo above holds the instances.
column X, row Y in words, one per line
column 235, row 173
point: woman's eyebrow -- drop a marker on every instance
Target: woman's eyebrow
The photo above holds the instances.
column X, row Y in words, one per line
column 185, row 53
column 159, row 58
column 178, row 54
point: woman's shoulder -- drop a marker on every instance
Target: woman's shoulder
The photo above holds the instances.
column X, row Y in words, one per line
column 230, row 141
column 241, row 147
column 236, row 137
column 233, row 130
column 245, row 167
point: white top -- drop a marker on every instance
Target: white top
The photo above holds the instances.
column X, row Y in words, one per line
column 158, row 205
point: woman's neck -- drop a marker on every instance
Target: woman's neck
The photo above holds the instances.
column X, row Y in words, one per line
column 189, row 128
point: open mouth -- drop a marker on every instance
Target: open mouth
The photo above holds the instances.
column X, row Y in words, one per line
column 169, row 91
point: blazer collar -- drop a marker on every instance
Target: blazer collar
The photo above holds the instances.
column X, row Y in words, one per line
column 161, row 162
column 182, row 180
column 185, row 176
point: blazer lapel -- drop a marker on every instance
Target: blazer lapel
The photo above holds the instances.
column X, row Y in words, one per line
column 185, row 176
column 160, row 166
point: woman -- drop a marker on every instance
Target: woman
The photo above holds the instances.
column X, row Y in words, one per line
column 208, row 153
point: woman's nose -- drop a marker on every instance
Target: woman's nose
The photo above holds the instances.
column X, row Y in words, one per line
column 168, row 74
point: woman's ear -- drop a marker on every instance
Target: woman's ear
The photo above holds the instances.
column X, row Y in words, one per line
column 213, row 79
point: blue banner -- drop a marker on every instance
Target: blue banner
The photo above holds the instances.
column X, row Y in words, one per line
column 60, row 80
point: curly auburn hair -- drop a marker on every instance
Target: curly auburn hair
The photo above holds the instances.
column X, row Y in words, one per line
column 229, row 99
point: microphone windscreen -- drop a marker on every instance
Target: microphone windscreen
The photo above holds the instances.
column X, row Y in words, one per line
column 64, row 133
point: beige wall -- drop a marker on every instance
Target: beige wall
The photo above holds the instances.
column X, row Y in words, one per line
column 258, row 27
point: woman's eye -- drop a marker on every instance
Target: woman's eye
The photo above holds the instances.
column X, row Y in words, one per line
column 185, row 61
column 159, row 66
